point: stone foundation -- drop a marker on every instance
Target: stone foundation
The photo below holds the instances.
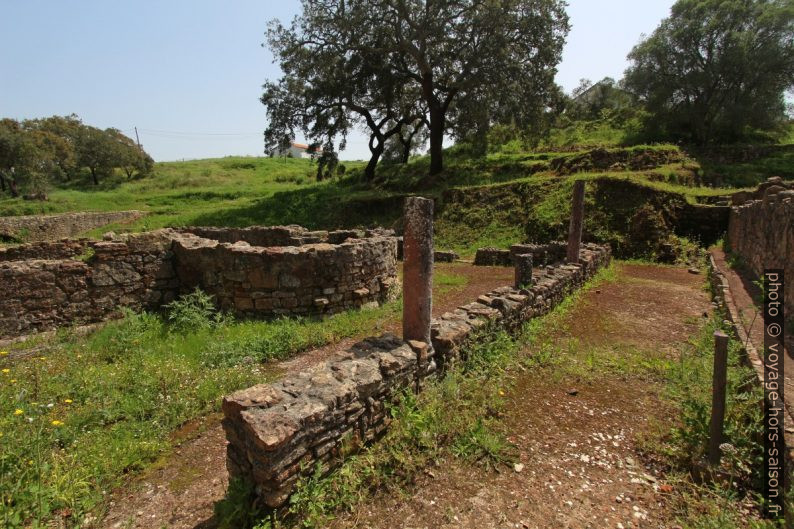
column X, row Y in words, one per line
column 761, row 232
column 47, row 285
column 36, row 228
column 542, row 254
column 316, row 278
column 56, row 288
column 282, row 431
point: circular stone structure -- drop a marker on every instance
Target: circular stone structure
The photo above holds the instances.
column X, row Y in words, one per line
column 288, row 270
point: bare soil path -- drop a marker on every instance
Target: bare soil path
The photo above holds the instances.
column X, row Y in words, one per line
column 578, row 425
column 181, row 490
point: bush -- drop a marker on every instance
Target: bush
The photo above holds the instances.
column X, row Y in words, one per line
column 192, row 311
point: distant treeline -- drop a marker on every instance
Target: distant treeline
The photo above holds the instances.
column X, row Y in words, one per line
column 37, row 152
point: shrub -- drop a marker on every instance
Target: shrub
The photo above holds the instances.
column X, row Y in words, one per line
column 192, row 311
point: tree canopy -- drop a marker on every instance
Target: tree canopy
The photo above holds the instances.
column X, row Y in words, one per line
column 395, row 66
column 36, row 152
column 716, row 70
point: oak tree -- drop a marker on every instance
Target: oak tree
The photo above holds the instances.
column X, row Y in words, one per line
column 714, row 70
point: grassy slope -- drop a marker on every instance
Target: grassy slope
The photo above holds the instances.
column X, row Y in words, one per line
column 224, row 191
column 239, row 191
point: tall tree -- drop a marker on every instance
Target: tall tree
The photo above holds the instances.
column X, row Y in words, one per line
column 67, row 128
column 129, row 157
column 378, row 62
column 716, row 68
column 467, row 53
column 335, row 77
column 29, row 159
column 97, row 151
column 11, row 153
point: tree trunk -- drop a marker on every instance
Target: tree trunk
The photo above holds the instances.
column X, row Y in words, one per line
column 407, row 144
column 12, row 186
column 436, row 138
column 377, row 150
column 93, row 175
column 406, row 152
column 2, row 182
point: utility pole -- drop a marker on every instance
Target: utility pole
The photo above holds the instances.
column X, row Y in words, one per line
column 137, row 139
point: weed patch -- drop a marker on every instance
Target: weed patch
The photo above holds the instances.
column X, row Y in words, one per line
column 457, row 415
column 78, row 419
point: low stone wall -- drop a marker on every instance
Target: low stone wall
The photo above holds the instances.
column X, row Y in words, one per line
column 279, row 432
column 35, row 228
column 64, row 249
column 761, row 232
column 46, row 285
column 42, row 294
column 542, row 254
column 260, row 235
column 310, row 279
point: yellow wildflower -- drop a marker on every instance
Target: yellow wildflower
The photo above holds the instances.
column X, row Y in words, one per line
column 6, row 370
column 67, row 401
column 502, row 393
column 57, row 423
column 13, row 381
column 18, row 412
column 3, row 353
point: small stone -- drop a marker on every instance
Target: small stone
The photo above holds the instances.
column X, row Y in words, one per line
column 518, row 467
column 573, row 392
column 693, row 271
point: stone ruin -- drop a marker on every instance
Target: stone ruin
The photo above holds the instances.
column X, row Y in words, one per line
column 542, row 254
column 761, row 232
column 280, row 432
column 257, row 271
column 38, row 228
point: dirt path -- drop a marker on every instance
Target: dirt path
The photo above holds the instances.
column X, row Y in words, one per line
column 578, row 425
column 181, row 490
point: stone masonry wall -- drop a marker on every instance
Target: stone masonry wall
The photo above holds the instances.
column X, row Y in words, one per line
column 260, row 235
column 41, row 294
column 761, row 232
column 46, row 285
column 63, row 249
column 278, row 432
column 541, row 254
column 310, row 279
column 35, row 228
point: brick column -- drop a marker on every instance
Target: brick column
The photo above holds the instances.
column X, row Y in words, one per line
column 577, row 216
column 417, row 268
column 523, row 266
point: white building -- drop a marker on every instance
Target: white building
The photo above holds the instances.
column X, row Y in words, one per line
column 296, row 150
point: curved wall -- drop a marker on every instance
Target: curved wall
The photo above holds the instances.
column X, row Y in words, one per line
column 271, row 281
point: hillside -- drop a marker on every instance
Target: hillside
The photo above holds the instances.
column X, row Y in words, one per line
column 495, row 200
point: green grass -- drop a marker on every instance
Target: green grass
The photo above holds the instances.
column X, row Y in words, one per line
column 688, row 387
column 748, row 174
column 95, row 409
column 443, row 282
column 232, row 191
column 685, row 384
column 453, row 416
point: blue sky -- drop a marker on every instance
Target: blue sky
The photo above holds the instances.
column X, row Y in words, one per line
column 188, row 73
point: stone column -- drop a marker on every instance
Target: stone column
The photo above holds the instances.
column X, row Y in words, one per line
column 417, row 269
column 523, row 266
column 577, row 216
